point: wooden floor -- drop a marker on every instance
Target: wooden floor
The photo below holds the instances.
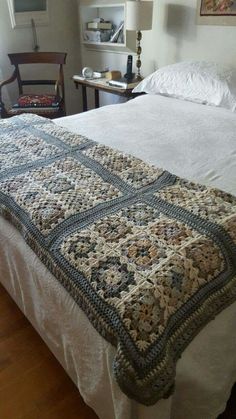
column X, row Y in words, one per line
column 230, row 412
column 32, row 383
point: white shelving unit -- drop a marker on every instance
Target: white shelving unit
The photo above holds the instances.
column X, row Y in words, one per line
column 109, row 10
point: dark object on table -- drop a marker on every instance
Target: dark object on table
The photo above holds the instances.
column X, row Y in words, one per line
column 129, row 75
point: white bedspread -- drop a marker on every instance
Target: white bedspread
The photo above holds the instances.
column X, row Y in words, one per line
column 193, row 141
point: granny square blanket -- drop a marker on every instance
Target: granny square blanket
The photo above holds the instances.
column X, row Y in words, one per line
column 149, row 257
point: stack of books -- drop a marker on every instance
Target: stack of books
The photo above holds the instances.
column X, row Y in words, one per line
column 98, row 30
column 99, row 25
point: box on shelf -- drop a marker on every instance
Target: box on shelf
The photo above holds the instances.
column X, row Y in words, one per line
column 97, row 36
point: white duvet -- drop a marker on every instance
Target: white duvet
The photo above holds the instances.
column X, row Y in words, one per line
column 190, row 140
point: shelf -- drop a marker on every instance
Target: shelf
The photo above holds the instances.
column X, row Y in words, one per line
column 104, row 44
column 109, row 10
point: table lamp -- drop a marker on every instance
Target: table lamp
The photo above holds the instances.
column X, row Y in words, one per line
column 139, row 18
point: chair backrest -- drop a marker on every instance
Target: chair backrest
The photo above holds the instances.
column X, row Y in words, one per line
column 39, row 58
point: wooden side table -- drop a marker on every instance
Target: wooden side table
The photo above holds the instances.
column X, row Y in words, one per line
column 99, row 85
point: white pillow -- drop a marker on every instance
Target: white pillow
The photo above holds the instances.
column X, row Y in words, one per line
column 197, row 81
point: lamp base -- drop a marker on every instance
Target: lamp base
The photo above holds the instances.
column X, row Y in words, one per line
column 139, row 51
column 138, row 77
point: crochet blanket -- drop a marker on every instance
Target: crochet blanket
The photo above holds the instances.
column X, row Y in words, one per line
column 149, row 257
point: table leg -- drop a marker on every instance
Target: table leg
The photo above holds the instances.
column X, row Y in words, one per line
column 96, row 93
column 84, row 95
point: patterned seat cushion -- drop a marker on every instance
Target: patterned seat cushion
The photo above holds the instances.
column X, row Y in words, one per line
column 37, row 101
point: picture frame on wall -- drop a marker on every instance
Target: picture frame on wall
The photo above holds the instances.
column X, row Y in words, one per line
column 23, row 11
column 216, row 12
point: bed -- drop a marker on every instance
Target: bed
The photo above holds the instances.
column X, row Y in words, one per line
column 193, row 141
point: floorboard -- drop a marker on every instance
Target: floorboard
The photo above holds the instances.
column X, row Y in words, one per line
column 33, row 385
column 230, row 412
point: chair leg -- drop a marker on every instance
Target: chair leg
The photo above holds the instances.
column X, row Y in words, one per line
column 3, row 112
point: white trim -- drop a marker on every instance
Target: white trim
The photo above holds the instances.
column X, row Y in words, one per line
column 23, row 19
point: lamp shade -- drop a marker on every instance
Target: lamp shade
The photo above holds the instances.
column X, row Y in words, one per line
column 139, row 15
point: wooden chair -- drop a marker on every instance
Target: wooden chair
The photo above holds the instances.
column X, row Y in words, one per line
column 48, row 105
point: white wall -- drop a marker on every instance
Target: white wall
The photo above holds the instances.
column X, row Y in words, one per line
column 175, row 37
column 60, row 35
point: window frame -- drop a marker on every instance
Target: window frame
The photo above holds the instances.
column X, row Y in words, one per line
column 23, row 19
